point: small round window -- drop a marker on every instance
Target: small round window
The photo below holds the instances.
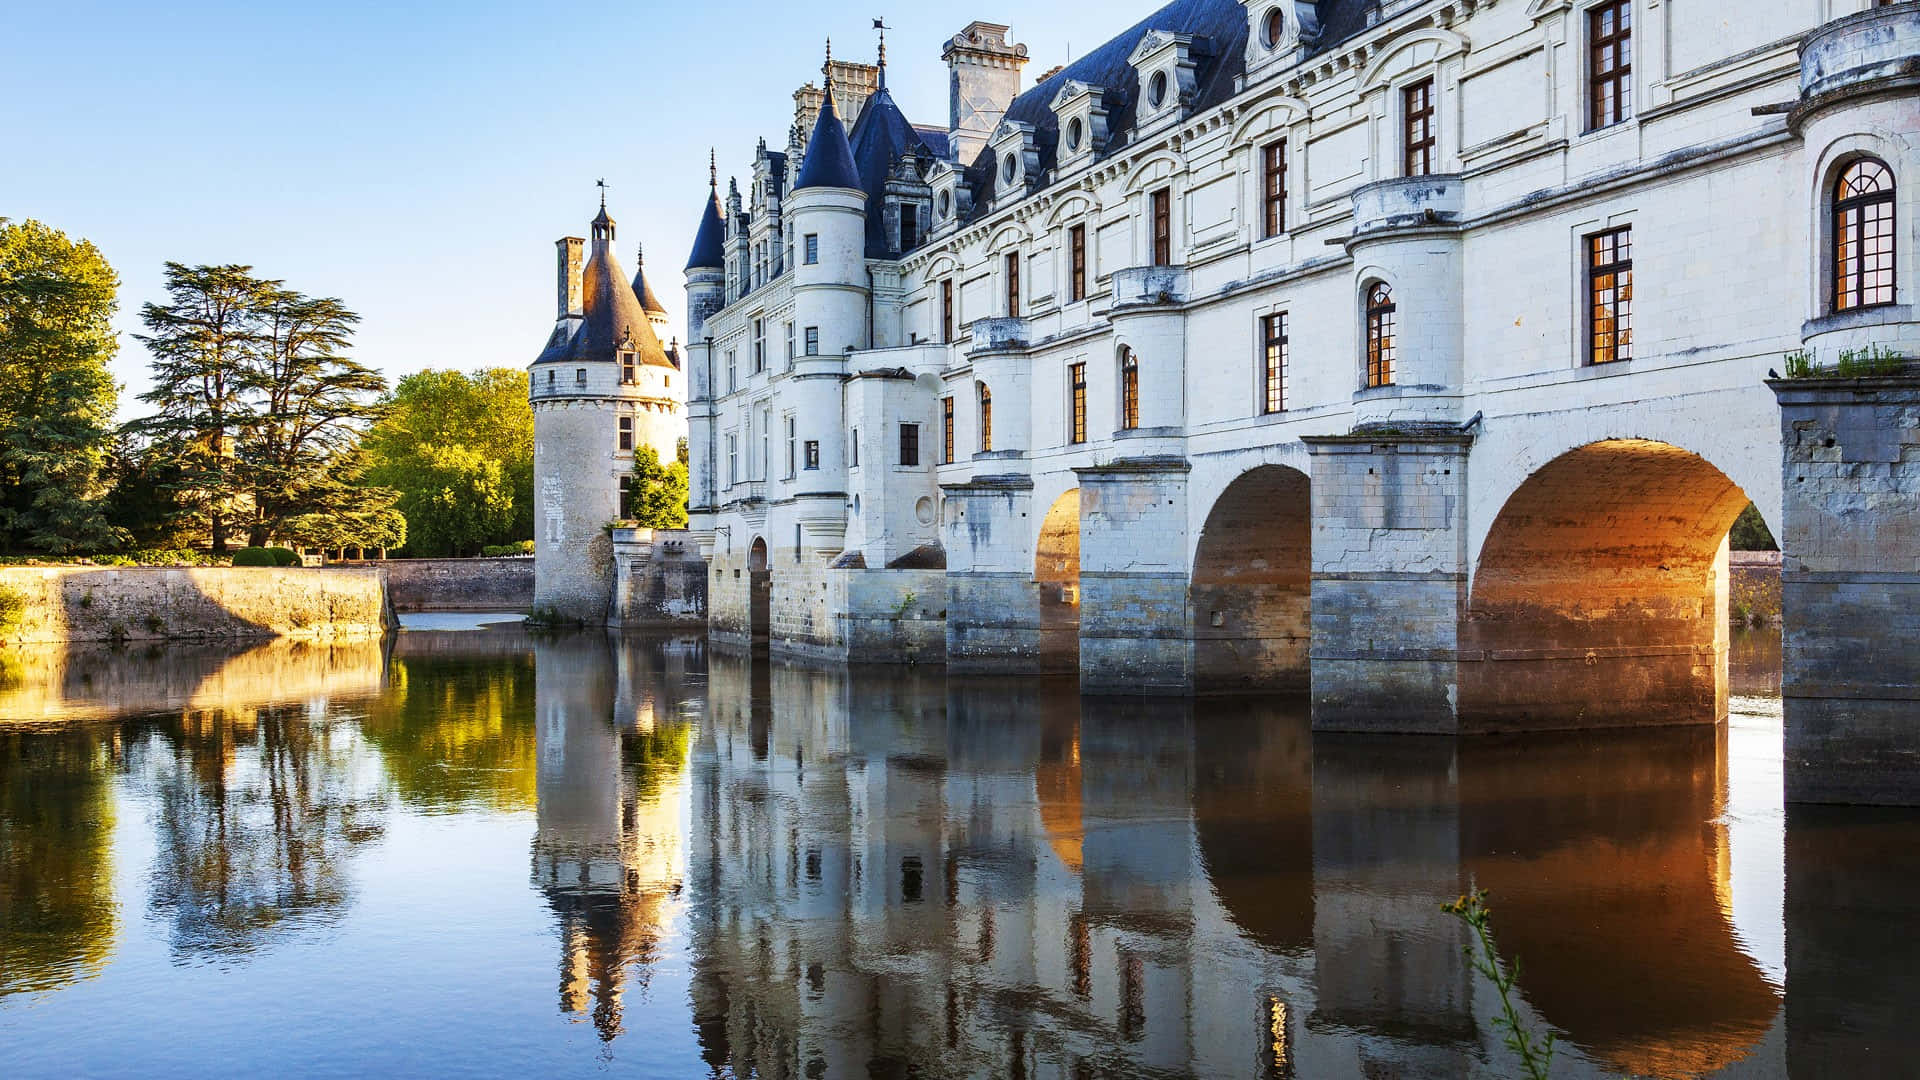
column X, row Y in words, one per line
column 1009, row 165
column 1275, row 26
column 1157, row 89
column 1074, row 133
column 946, row 204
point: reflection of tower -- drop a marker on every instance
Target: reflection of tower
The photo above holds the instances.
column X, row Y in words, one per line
column 607, row 851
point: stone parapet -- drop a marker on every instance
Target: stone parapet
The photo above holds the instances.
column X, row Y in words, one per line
column 84, row 603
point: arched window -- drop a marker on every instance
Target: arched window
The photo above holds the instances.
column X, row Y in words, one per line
column 1863, row 244
column 986, row 419
column 1129, row 390
column 1380, row 310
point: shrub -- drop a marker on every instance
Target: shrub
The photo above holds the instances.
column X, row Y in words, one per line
column 284, row 556
column 13, row 609
column 253, row 556
column 495, row 551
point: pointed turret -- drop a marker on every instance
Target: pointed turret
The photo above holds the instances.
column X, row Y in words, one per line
column 709, row 243
column 829, row 162
column 612, row 320
column 642, row 291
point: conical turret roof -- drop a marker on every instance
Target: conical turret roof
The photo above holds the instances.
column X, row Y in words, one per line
column 641, row 290
column 829, row 162
column 614, row 322
column 709, row 243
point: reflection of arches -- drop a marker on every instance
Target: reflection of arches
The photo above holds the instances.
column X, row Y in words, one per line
column 1600, row 594
column 760, row 587
column 1056, row 570
column 1615, row 895
column 1250, row 589
column 1253, row 818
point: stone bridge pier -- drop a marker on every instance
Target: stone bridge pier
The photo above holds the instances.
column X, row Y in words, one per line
column 1850, row 594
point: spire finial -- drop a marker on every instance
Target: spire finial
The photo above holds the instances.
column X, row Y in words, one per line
column 639, row 254
column 713, row 170
column 826, row 69
column 881, row 25
column 602, row 185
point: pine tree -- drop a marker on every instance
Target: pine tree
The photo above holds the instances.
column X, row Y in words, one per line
column 57, row 300
column 204, row 341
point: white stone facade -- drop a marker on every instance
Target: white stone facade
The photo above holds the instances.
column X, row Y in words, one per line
column 1722, row 168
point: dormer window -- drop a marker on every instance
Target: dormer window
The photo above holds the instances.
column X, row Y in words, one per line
column 1009, row 168
column 946, row 205
column 1167, row 67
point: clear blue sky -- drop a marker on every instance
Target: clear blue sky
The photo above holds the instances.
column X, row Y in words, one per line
column 419, row 159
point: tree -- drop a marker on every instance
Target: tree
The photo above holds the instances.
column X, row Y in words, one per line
column 204, row 341
column 437, row 421
column 311, row 405
column 57, row 300
column 658, row 493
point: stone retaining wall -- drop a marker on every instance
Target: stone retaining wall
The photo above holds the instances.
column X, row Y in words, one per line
column 86, row 603
column 504, row 584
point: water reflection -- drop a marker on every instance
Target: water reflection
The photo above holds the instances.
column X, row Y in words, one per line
column 731, row 867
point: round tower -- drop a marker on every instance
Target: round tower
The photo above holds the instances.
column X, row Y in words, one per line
column 706, row 293
column 602, row 388
column 827, row 210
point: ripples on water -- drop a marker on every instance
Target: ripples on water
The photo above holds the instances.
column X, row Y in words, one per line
column 490, row 854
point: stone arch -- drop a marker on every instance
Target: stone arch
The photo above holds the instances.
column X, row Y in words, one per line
column 1249, row 598
column 1056, row 573
column 1599, row 596
column 760, row 594
column 1404, row 54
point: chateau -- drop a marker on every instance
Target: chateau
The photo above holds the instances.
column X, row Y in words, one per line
column 1276, row 342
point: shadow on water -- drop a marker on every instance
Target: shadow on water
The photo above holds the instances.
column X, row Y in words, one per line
column 889, row 872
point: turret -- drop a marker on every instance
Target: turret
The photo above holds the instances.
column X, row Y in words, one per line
column 706, row 294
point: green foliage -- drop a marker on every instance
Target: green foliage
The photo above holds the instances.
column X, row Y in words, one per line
column 253, row 556
column 458, row 447
column 258, row 410
column 284, row 556
column 13, row 609
column 495, row 551
column 57, row 300
column 1750, row 532
column 1868, row 361
column 657, row 494
column 1536, row 1055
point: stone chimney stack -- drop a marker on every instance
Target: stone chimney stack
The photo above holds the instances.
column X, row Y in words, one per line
column 572, row 293
column 985, row 80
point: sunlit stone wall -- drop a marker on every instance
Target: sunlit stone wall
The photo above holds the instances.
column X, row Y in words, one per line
column 83, row 603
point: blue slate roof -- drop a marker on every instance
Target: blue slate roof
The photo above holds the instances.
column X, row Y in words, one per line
column 709, row 244
column 829, row 162
column 880, row 135
column 613, row 317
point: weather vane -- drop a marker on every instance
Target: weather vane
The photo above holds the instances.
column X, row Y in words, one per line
column 602, row 185
column 881, row 25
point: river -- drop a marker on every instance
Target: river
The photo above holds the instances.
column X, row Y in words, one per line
column 481, row 852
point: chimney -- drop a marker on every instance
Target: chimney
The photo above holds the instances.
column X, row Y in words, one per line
column 985, row 79
column 572, row 303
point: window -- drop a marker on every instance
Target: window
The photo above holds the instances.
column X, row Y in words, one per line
column 1273, row 196
column 550, row 374
column 1273, row 362
column 791, row 448
column 986, row 419
column 1077, row 263
column 909, row 444
column 733, row 460
column 628, row 375
column 1380, row 310
column 580, row 376
column 853, row 450
column 1157, row 89
column 1610, row 296
column 626, row 498
column 789, row 345
column 812, row 451
column 946, row 310
column 813, row 341
column 733, row 373
column 946, row 430
column 1863, row 245
column 626, row 433
column 1013, row 284
column 1416, row 103
column 1163, row 227
column 1609, row 63
column 1077, row 403
column 909, row 227
column 1129, row 390
column 813, row 248
column 1275, row 28
column 759, row 346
